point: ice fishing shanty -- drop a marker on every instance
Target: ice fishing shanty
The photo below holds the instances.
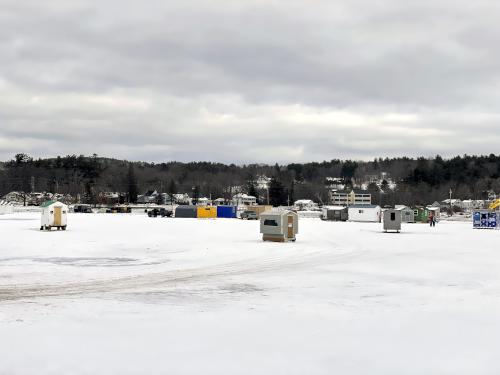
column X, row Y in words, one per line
column 407, row 214
column 279, row 226
column 392, row 218
column 186, row 211
column 364, row 213
column 54, row 215
column 335, row 213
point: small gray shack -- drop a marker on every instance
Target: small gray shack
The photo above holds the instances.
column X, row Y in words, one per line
column 279, row 226
column 407, row 214
column 335, row 213
column 186, row 211
column 392, row 219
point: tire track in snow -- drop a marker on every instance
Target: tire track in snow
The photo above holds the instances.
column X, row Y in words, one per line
column 169, row 279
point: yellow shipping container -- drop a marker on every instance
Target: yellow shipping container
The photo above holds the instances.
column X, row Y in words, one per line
column 207, row 212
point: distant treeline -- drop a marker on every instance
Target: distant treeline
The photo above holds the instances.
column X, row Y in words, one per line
column 419, row 181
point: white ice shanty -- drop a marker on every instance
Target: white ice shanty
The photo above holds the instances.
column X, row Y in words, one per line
column 6, row 207
column 279, row 226
column 54, row 215
column 365, row 213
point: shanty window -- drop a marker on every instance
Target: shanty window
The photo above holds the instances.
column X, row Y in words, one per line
column 393, row 216
column 271, row 223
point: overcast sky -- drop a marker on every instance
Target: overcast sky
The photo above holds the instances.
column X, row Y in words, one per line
column 249, row 81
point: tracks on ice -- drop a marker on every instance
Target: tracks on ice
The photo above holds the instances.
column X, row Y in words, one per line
column 172, row 278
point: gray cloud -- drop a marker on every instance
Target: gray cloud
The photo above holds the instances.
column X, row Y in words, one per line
column 241, row 81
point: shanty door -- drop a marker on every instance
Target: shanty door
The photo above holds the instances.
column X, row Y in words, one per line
column 290, row 226
column 57, row 216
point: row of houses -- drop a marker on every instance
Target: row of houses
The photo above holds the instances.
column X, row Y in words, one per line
column 153, row 196
column 467, row 205
column 346, row 198
column 34, row 198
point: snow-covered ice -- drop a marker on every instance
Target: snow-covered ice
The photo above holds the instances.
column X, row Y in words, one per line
column 128, row 294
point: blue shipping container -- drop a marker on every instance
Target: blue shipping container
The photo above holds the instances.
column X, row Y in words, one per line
column 226, row 211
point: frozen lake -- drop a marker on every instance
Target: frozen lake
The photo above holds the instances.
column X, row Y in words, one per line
column 128, row 294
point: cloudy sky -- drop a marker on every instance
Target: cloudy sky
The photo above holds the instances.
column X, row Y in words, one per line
column 249, row 81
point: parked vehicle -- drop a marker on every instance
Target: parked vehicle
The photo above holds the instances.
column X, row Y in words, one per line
column 118, row 210
column 159, row 212
column 249, row 215
column 84, row 208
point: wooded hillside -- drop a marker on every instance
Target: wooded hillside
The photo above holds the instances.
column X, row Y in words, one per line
column 419, row 181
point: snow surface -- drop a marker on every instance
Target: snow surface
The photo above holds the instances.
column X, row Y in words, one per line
column 128, row 294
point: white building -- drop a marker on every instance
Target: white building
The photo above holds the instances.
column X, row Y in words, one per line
column 365, row 213
column 262, row 182
column 305, row 205
column 348, row 198
column 244, row 200
column 470, row 204
column 151, row 196
column 454, row 203
column 203, row 201
column 219, row 202
column 335, row 183
column 14, row 196
column 183, row 199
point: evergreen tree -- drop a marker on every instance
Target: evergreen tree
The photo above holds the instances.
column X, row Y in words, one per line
column 291, row 193
column 277, row 194
column 171, row 190
column 132, row 184
column 196, row 194
column 252, row 190
column 384, row 186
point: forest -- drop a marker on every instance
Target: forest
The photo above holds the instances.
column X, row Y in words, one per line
column 418, row 181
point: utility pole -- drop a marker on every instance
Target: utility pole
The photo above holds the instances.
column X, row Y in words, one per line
column 451, row 209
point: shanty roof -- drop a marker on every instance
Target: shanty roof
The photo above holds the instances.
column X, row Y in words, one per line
column 50, row 203
column 47, row 203
column 276, row 212
column 335, row 208
column 364, row 206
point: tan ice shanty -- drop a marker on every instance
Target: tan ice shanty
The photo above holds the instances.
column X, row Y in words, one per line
column 279, row 226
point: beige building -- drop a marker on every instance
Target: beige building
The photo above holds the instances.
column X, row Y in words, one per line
column 348, row 198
